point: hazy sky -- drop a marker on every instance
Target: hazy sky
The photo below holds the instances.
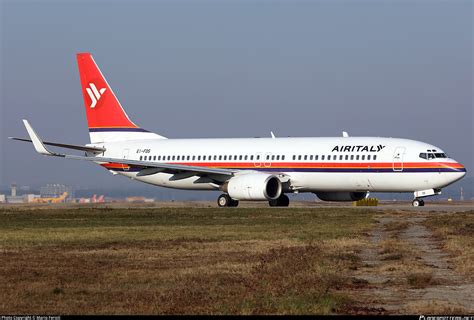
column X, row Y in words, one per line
column 236, row 69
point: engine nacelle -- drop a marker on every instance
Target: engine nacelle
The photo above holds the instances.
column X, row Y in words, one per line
column 341, row 196
column 254, row 186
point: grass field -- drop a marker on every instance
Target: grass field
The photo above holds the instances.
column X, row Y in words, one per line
column 179, row 260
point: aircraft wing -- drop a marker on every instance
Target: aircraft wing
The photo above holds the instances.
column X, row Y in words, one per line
column 147, row 167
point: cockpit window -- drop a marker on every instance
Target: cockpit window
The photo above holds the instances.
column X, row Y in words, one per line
column 431, row 155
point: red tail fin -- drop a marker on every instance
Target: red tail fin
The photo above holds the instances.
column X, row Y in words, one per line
column 106, row 118
column 103, row 109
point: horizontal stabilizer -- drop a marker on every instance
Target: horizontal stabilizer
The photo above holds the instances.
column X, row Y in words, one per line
column 63, row 145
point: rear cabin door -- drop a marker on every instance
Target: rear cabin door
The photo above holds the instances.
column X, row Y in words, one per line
column 398, row 158
column 125, row 155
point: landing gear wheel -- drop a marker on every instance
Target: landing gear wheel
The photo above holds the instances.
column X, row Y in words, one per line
column 224, row 200
column 233, row 203
column 418, row 203
column 282, row 201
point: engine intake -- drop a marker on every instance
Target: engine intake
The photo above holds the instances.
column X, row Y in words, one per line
column 341, row 196
column 254, row 186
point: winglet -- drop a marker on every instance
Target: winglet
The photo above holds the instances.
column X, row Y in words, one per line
column 37, row 143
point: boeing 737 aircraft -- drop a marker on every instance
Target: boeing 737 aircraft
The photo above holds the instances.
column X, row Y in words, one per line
column 265, row 169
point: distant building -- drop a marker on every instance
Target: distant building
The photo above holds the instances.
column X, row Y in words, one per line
column 56, row 190
column 2, row 198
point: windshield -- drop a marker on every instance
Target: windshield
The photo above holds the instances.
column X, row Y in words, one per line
column 432, row 155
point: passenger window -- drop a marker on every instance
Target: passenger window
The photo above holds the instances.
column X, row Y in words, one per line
column 258, row 157
column 357, row 157
column 368, row 157
column 294, row 157
column 273, row 157
column 375, row 157
column 322, row 158
column 188, row 157
column 283, row 157
column 225, row 157
column 299, row 157
column 316, row 157
column 251, row 157
column 240, row 157
column 141, row 158
column 352, row 157
column 245, row 158
column 199, row 158
column 174, row 157
column 340, row 157
column 363, row 157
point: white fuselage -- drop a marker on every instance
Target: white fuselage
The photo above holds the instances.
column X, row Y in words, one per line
column 310, row 164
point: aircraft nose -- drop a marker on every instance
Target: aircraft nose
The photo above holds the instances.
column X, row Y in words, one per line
column 459, row 170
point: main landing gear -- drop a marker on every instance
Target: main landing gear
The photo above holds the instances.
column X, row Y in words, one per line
column 282, row 201
column 417, row 202
column 225, row 201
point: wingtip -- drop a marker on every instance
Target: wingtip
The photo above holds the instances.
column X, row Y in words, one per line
column 37, row 142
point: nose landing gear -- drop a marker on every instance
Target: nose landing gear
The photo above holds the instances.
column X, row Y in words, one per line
column 418, row 202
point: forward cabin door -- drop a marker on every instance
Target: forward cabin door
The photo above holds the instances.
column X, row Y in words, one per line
column 398, row 159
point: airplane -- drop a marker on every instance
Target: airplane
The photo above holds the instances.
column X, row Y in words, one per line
column 258, row 169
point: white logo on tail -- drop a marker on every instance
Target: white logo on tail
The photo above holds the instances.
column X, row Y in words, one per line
column 94, row 94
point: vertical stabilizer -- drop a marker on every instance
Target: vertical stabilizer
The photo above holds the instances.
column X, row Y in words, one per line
column 106, row 118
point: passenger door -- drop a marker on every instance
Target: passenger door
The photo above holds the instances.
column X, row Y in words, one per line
column 125, row 155
column 398, row 158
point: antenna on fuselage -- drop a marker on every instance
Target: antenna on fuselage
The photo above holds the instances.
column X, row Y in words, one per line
column 345, row 134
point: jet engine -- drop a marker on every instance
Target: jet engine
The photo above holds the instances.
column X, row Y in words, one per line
column 341, row 196
column 254, row 186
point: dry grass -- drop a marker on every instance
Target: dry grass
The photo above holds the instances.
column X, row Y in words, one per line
column 421, row 280
column 435, row 308
column 395, row 249
column 179, row 260
column 456, row 232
